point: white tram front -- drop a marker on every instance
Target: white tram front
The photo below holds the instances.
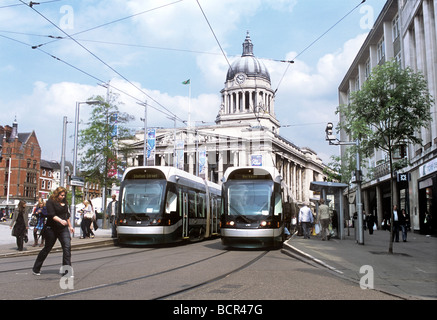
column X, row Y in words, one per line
column 164, row 205
column 252, row 214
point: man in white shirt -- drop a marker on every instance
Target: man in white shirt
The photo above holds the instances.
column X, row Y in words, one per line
column 395, row 223
column 306, row 219
column 112, row 211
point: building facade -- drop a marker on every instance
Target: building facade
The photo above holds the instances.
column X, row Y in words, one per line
column 20, row 157
column 246, row 133
column 407, row 32
column 25, row 176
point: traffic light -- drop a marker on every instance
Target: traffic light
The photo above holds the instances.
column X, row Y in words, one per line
column 329, row 134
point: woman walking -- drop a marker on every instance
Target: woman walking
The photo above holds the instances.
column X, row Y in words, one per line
column 87, row 219
column 19, row 224
column 41, row 214
column 58, row 227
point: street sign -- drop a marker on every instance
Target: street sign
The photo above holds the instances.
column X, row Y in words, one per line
column 77, row 181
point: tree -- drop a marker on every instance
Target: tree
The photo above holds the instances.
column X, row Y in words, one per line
column 100, row 141
column 389, row 109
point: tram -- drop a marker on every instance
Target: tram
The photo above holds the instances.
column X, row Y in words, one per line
column 164, row 205
column 252, row 213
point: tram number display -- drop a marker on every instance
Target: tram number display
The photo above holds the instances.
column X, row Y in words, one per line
column 249, row 174
column 145, row 174
column 242, row 176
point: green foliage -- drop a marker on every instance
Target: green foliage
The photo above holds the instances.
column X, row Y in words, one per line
column 100, row 140
column 389, row 109
column 392, row 105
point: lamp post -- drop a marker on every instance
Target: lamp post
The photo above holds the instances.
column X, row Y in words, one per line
column 76, row 133
column 358, row 179
column 64, row 137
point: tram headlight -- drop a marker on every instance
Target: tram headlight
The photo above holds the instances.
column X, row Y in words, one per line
column 265, row 224
column 230, row 223
column 155, row 222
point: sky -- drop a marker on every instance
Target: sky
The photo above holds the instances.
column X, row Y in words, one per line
column 147, row 48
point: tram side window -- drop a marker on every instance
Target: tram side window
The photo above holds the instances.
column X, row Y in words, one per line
column 196, row 202
column 171, row 203
column 278, row 204
column 192, row 205
column 201, row 205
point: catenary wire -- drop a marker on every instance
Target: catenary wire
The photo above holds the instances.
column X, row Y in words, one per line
column 170, row 115
column 114, row 21
column 103, row 62
column 316, row 40
column 21, row 4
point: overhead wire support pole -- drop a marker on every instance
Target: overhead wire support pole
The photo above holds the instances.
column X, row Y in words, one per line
column 358, row 178
column 145, row 132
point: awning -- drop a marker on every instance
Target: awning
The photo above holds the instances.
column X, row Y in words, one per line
column 329, row 187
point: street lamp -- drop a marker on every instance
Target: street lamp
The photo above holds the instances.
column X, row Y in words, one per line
column 76, row 133
column 332, row 139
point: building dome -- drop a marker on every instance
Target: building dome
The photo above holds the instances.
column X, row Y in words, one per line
column 248, row 64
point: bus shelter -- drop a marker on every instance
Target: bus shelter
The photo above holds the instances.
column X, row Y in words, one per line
column 336, row 189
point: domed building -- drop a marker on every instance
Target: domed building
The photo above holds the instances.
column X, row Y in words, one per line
column 248, row 95
column 246, row 133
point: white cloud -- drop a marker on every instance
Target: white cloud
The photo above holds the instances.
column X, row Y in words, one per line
column 307, row 98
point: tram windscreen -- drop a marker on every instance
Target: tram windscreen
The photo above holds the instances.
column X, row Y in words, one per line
column 249, row 198
column 143, row 197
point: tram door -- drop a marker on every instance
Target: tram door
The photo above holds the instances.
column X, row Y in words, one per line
column 185, row 204
column 214, row 216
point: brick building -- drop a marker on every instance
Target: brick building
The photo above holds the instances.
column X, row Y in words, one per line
column 20, row 157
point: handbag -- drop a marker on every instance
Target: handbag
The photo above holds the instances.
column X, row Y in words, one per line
column 33, row 220
column 89, row 215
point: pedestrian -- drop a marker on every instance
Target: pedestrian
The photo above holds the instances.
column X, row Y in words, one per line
column 386, row 221
column 334, row 222
column 58, row 227
column 2, row 215
column 404, row 222
column 20, row 224
column 324, row 219
column 370, row 220
column 395, row 223
column 87, row 219
column 93, row 226
column 427, row 223
column 306, row 219
column 41, row 214
column 112, row 211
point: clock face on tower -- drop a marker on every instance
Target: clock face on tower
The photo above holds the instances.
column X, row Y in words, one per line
column 239, row 78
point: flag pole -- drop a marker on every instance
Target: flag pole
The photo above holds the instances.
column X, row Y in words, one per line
column 189, row 104
column 189, row 101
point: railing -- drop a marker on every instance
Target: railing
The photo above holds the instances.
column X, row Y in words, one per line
column 381, row 170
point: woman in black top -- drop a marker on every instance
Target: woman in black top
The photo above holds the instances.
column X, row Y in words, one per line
column 58, row 226
column 19, row 224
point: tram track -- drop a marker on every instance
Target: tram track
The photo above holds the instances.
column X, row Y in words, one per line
column 77, row 292
column 29, row 262
column 207, row 282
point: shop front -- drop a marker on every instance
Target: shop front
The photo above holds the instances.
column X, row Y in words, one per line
column 427, row 186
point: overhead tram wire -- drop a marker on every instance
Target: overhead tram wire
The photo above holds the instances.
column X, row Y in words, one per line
column 114, row 21
column 316, row 40
column 88, row 74
column 224, row 55
column 21, row 4
column 131, row 45
column 103, row 62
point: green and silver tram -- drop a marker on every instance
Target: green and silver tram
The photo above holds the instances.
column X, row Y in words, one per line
column 164, row 205
column 252, row 215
